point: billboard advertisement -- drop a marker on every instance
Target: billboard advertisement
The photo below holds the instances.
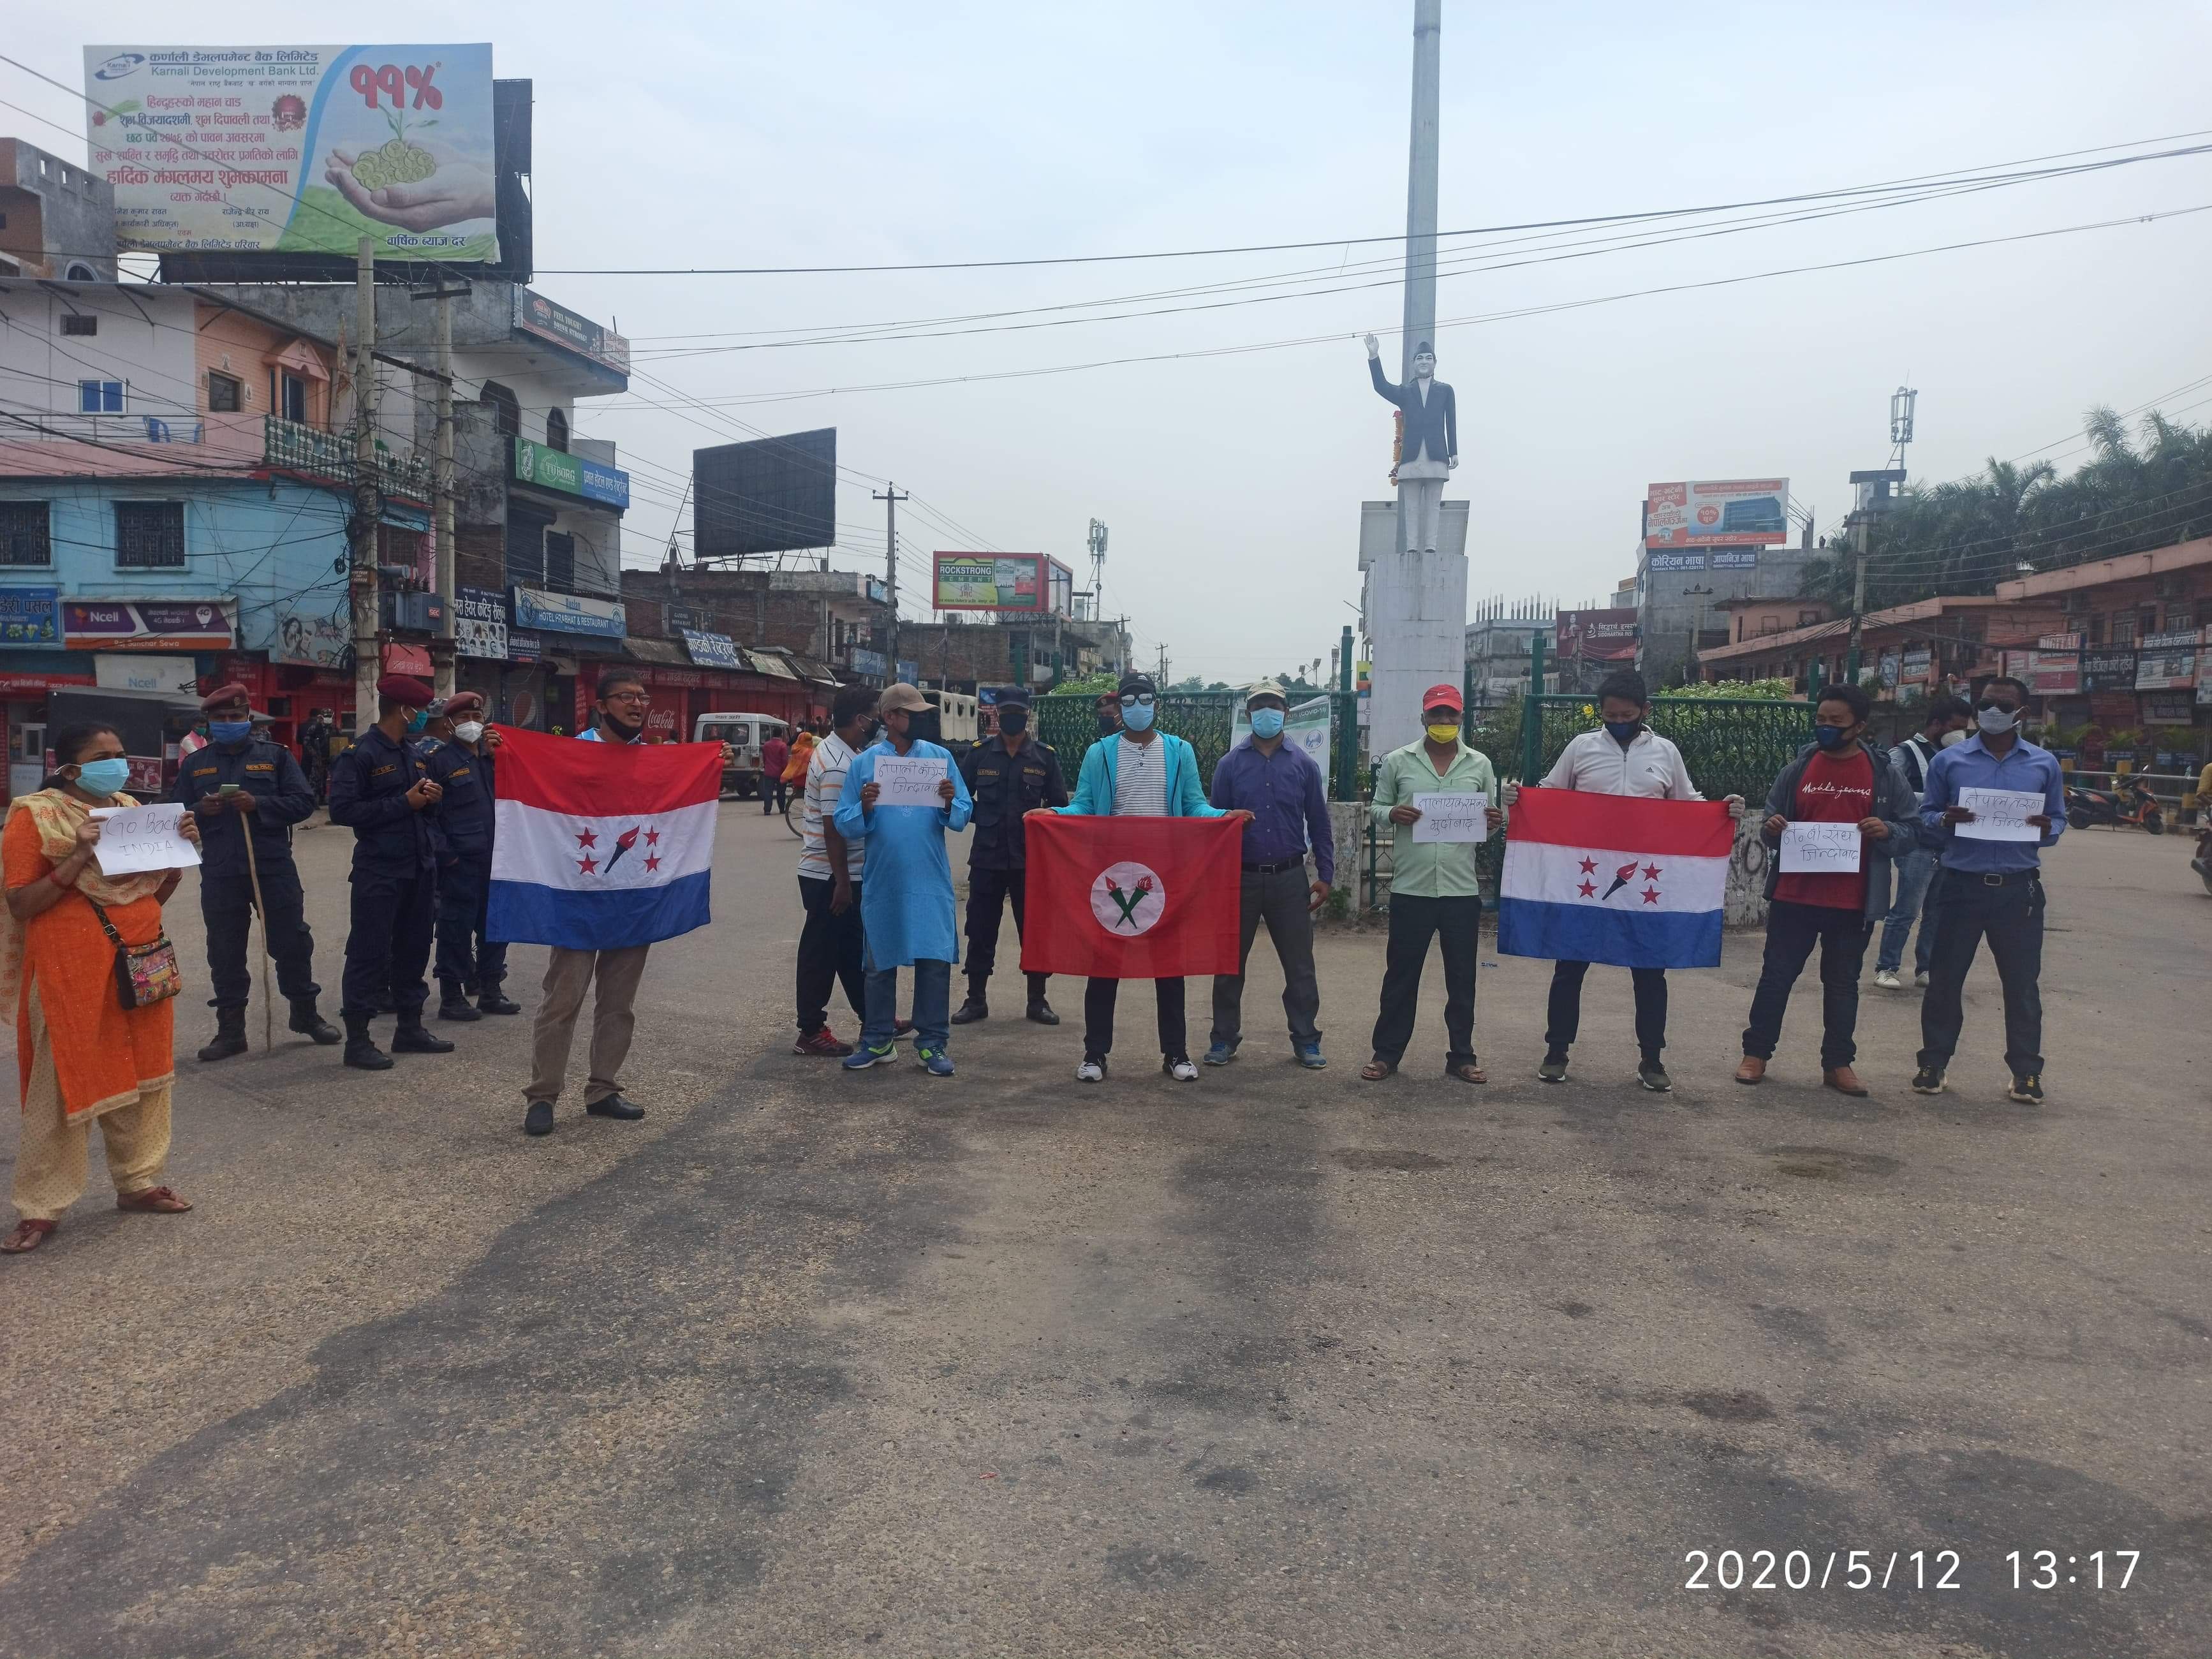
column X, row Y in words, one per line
column 769, row 495
column 480, row 623
column 149, row 625
column 297, row 149
column 2166, row 662
column 987, row 581
column 1597, row 633
column 1717, row 513
column 536, row 314
column 28, row 616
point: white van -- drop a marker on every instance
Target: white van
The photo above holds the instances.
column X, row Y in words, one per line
column 746, row 733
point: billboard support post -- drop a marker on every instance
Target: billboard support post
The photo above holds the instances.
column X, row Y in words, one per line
column 367, row 502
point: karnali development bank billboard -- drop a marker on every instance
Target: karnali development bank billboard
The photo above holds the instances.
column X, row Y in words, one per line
column 297, row 149
column 1717, row 513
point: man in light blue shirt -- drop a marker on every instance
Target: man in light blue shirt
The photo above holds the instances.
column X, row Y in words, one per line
column 1992, row 887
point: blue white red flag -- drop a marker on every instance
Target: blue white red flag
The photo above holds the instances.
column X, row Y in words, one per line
column 1638, row 884
column 601, row 846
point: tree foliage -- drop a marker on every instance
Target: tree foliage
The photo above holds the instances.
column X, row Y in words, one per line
column 2139, row 490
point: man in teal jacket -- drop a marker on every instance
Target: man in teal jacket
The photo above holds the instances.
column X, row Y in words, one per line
column 1142, row 773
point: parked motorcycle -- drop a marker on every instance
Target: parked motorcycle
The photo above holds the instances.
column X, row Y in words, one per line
column 2128, row 801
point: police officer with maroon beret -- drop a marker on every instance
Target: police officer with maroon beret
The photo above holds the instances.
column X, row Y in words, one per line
column 382, row 790
column 268, row 795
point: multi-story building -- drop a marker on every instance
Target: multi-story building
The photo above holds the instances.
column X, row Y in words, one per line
column 55, row 219
column 1498, row 650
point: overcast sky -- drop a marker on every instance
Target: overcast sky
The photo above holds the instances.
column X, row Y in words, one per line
column 747, row 134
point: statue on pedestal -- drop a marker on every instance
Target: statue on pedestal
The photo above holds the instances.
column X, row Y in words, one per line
column 1430, row 449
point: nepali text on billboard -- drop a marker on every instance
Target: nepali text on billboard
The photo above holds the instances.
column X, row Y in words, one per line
column 1717, row 513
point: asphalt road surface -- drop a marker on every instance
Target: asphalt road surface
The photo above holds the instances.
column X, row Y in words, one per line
column 1279, row 1362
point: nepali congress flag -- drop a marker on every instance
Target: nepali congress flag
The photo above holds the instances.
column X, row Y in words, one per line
column 1613, row 879
column 601, row 846
column 1132, row 898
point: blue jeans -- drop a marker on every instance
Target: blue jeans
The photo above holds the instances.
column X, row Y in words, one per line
column 932, row 1005
column 1912, row 879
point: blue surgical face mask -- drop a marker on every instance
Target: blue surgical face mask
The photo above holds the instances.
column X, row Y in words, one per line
column 1623, row 731
column 416, row 721
column 1266, row 722
column 1829, row 737
column 103, row 777
column 230, row 731
column 1138, row 716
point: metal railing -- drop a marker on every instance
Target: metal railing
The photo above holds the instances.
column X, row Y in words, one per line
column 293, row 446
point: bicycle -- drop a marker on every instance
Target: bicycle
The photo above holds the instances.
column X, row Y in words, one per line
column 795, row 814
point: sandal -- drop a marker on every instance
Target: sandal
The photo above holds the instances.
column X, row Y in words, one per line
column 1467, row 1072
column 154, row 1200
column 1376, row 1069
column 27, row 1237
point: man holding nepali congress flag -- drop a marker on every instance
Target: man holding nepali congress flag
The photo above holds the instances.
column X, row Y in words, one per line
column 599, row 852
column 1636, row 879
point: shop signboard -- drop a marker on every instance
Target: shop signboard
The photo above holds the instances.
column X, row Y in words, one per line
column 1913, row 670
column 536, row 314
column 2106, row 669
column 867, row 662
column 2056, row 668
column 2167, row 708
column 712, row 650
column 1665, row 564
column 480, row 623
column 28, row 616
column 523, row 647
column 571, row 475
column 132, row 671
column 1596, row 631
column 567, row 613
column 988, row 582
column 1736, row 558
column 1717, row 513
column 147, row 625
column 1893, row 665
column 288, row 150
column 2166, row 662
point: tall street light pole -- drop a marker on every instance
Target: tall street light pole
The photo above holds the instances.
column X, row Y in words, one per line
column 1420, row 320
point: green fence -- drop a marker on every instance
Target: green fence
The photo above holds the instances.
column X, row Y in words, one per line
column 1068, row 721
column 1732, row 746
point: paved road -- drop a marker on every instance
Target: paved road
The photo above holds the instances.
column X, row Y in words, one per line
column 1277, row 1363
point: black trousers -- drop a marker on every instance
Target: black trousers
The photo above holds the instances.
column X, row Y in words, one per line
column 226, row 907
column 1455, row 924
column 776, row 795
column 465, row 957
column 2012, row 916
column 1281, row 899
column 1792, row 930
column 987, row 893
column 1099, row 998
column 389, row 944
column 1565, row 1015
column 830, row 953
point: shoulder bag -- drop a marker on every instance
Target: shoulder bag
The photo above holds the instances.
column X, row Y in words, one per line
column 144, row 974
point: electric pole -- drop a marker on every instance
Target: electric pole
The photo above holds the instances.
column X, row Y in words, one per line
column 367, row 495
column 443, row 664
column 1420, row 320
column 890, row 496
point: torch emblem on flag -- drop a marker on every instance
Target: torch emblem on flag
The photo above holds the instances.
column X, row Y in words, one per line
column 1127, row 898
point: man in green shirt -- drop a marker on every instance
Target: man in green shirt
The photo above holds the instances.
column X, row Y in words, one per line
column 1434, row 890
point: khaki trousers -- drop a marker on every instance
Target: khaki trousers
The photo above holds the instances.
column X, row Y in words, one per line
column 49, row 1155
column 568, row 974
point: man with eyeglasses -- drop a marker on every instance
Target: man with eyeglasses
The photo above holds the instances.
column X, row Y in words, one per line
column 1989, row 887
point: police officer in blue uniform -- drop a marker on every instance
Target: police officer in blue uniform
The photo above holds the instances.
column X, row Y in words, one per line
column 1007, row 775
column 463, row 765
column 268, row 795
column 382, row 790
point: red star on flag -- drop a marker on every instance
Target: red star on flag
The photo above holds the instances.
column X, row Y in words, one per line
column 1651, row 872
column 1651, row 896
column 652, row 861
column 1589, row 867
column 587, row 865
column 1588, row 891
column 587, row 838
column 652, row 839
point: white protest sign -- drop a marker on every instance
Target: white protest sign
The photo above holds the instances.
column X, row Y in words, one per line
column 1827, row 849
column 911, row 781
column 1451, row 817
column 2000, row 814
column 134, row 840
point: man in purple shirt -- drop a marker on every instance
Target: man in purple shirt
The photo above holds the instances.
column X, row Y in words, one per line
column 1277, row 783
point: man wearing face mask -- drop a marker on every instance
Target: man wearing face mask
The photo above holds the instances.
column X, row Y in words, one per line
column 1949, row 717
column 381, row 789
column 1989, row 887
column 469, row 963
column 1108, row 712
column 1840, row 777
column 268, row 795
column 1007, row 776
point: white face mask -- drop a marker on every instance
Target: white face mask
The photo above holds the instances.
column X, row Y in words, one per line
column 468, row 731
column 1950, row 737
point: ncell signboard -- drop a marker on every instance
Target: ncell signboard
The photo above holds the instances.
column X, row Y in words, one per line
column 297, row 149
column 147, row 625
column 988, row 582
column 1723, row 513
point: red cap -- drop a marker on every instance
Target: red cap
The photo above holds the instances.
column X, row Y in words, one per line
column 221, row 695
column 405, row 690
column 1443, row 697
column 462, row 704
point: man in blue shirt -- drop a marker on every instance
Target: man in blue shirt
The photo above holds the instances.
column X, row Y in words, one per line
column 1279, row 785
column 1992, row 887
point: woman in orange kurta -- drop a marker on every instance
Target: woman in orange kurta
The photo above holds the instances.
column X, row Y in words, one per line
column 80, row 1054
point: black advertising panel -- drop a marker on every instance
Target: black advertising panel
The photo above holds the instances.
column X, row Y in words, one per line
column 766, row 496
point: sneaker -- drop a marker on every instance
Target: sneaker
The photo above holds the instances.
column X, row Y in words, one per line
column 1553, row 1069
column 1887, row 978
column 1928, row 1080
column 824, row 1044
column 1221, row 1054
column 1310, row 1056
column 868, row 1055
column 1920, row 980
column 2026, row 1088
column 1653, row 1076
column 1180, row 1068
column 935, row 1061
column 1091, row 1070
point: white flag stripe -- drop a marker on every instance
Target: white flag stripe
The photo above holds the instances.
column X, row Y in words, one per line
column 534, row 844
column 1552, row 874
